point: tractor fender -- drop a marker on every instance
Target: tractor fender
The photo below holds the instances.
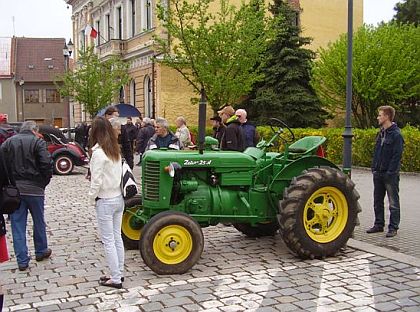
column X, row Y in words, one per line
column 65, row 150
column 296, row 167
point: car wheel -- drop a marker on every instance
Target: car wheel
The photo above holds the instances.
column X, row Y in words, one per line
column 63, row 165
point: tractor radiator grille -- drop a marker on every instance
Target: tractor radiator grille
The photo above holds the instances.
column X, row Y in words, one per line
column 151, row 180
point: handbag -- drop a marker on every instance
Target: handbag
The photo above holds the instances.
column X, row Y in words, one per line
column 10, row 195
column 128, row 183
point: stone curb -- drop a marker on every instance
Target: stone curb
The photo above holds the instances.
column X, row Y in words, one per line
column 384, row 252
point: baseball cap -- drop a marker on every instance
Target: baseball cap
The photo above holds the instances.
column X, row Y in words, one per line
column 216, row 118
column 3, row 117
column 228, row 110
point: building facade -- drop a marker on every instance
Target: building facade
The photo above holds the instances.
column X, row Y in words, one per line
column 126, row 28
column 7, row 87
column 38, row 65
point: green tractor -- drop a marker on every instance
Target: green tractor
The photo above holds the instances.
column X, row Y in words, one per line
column 298, row 193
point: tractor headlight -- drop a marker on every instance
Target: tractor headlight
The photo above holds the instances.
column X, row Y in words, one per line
column 171, row 168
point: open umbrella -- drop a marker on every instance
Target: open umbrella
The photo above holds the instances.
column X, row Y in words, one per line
column 125, row 110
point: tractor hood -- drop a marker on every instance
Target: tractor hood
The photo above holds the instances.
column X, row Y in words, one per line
column 193, row 159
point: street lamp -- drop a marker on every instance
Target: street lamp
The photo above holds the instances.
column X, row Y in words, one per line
column 348, row 134
column 67, row 50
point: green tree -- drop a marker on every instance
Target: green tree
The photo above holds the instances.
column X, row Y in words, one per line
column 286, row 91
column 386, row 71
column 408, row 11
column 94, row 83
column 220, row 52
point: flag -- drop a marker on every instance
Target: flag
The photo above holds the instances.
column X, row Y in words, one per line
column 90, row 31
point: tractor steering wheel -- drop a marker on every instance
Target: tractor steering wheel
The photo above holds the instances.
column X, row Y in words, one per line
column 274, row 122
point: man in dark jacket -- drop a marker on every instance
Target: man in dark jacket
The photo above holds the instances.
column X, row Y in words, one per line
column 31, row 167
column 123, row 139
column 234, row 138
column 250, row 131
column 218, row 128
column 131, row 132
column 385, row 168
column 144, row 135
column 163, row 138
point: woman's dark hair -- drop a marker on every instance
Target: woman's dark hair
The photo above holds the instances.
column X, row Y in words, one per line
column 110, row 110
column 103, row 134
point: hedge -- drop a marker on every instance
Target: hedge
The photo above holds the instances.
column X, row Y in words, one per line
column 362, row 147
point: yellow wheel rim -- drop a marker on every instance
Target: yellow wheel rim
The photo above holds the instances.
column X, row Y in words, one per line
column 126, row 225
column 325, row 215
column 172, row 244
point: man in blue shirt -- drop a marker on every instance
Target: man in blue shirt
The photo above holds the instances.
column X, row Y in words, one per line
column 386, row 171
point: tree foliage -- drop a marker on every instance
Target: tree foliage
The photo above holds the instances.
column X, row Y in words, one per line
column 286, row 91
column 94, row 83
column 407, row 11
column 386, row 71
column 221, row 52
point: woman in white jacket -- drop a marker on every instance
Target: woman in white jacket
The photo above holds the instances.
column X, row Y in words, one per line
column 105, row 192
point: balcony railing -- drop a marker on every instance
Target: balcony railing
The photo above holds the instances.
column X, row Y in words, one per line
column 112, row 47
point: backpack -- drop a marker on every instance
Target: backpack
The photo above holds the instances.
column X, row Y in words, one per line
column 6, row 133
column 192, row 138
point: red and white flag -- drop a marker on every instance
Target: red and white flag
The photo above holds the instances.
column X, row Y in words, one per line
column 90, row 31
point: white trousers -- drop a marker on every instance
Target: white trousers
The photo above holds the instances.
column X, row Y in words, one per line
column 109, row 212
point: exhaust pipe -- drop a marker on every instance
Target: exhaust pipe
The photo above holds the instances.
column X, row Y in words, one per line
column 202, row 107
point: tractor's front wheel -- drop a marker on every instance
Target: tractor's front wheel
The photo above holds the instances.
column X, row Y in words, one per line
column 318, row 213
column 130, row 227
column 259, row 230
column 171, row 243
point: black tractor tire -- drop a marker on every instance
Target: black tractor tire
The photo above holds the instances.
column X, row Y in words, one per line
column 130, row 237
column 63, row 164
column 318, row 213
column 259, row 230
column 171, row 243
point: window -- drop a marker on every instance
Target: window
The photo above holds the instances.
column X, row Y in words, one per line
column 148, row 97
column 148, row 14
column 82, row 40
column 53, row 96
column 133, row 17
column 108, row 27
column 31, row 96
column 121, row 97
column 119, row 23
column 133, row 92
column 98, row 29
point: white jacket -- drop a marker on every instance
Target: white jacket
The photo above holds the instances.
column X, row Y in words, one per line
column 105, row 175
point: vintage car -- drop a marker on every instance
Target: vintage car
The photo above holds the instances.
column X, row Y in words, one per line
column 65, row 154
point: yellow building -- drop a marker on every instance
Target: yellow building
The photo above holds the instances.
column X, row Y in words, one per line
column 126, row 28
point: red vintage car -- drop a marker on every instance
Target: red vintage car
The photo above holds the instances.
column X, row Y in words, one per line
column 65, row 154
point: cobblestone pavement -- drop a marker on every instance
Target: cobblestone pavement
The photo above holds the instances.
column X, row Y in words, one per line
column 235, row 273
column 408, row 239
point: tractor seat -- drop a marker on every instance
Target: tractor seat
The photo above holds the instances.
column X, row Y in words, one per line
column 306, row 145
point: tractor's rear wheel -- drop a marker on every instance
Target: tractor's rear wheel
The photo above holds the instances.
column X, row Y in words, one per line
column 259, row 230
column 318, row 213
column 130, row 228
column 171, row 243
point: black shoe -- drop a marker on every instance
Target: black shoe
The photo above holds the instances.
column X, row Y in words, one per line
column 391, row 233
column 110, row 284
column 45, row 255
column 375, row 229
column 23, row 267
column 106, row 278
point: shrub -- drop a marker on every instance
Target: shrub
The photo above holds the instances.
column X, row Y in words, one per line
column 362, row 146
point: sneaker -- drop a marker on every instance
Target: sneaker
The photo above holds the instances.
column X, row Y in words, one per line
column 391, row 233
column 23, row 267
column 375, row 229
column 44, row 256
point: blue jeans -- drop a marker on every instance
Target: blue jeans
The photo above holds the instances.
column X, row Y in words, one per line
column 109, row 212
column 35, row 205
column 386, row 184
